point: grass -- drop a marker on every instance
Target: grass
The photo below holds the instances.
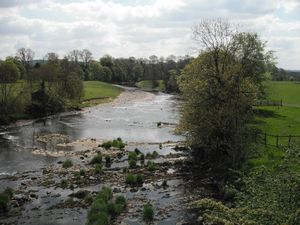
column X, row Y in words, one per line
column 282, row 121
column 288, row 91
column 97, row 92
column 148, row 85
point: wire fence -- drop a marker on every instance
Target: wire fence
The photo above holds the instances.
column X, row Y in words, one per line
column 277, row 140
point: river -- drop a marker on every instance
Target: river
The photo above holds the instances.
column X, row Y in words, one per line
column 25, row 155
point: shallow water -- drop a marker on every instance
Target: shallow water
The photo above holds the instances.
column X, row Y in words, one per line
column 132, row 121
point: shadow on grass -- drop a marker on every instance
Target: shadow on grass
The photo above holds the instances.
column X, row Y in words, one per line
column 266, row 113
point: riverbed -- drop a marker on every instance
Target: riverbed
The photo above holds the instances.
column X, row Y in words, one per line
column 31, row 155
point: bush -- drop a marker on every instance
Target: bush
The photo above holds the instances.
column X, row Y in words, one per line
column 98, row 169
column 117, row 143
column 132, row 156
column 142, row 157
column 148, row 212
column 105, row 194
column 137, row 151
column 131, row 179
column 139, row 179
column 4, row 200
column 67, row 164
column 154, row 155
column 81, row 194
column 151, row 166
column 121, row 200
column 97, row 159
column 63, row 184
column 107, row 159
column 132, row 163
column 82, row 172
column 106, row 145
column 103, row 209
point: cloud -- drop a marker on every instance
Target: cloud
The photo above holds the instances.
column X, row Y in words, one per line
column 141, row 28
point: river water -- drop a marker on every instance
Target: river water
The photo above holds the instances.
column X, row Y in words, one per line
column 133, row 119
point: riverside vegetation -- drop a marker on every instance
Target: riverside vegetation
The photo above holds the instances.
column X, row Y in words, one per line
column 257, row 184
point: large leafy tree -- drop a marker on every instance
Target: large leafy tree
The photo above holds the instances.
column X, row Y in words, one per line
column 220, row 87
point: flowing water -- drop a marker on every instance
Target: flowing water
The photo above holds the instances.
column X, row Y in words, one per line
column 135, row 121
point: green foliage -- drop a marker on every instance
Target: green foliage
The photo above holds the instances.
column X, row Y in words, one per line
column 151, row 166
column 116, row 143
column 67, row 164
column 131, row 179
column 137, row 151
column 132, row 163
column 139, row 179
column 121, row 200
column 97, row 159
column 148, row 212
column 132, row 156
column 5, row 198
column 105, row 194
column 214, row 212
column 82, row 172
column 107, row 160
column 103, row 209
column 98, row 169
column 219, row 88
column 64, row 184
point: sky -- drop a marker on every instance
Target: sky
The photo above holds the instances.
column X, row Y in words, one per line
column 142, row 28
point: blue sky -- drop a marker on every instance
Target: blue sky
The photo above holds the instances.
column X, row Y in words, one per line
column 142, row 28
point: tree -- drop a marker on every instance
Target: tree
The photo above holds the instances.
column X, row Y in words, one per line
column 52, row 58
column 9, row 74
column 220, row 87
column 85, row 56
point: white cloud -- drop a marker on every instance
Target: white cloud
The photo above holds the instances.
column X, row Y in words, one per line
column 160, row 27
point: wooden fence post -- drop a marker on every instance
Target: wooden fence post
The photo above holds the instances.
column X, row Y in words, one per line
column 265, row 138
column 277, row 140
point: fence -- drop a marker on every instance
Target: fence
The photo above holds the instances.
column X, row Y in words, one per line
column 277, row 140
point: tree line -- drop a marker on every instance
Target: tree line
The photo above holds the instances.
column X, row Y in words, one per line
column 37, row 88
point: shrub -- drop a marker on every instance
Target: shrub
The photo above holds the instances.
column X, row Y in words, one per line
column 154, row 154
column 4, row 200
column 67, row 164
column 63, row 184
column 142, row 157
column 130, row 179
column 148, row 155
column 132, row 163
column 148, row 212
column 97, row 159
column 98, row 218
column 107, row 159
column 164, row 184
column 82, row 172
column 105, row 194
column 137, row 151
column 121, row 200
column 81, row 194
column 106, row 145
column 151, row 166
column 132, row 156
column 98, row 169
column 139, row 179
column 117, row 143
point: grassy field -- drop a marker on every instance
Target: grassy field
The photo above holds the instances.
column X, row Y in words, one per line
column 97, row 92
column 147, row 85
column 282, row 121
column 287, row 91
